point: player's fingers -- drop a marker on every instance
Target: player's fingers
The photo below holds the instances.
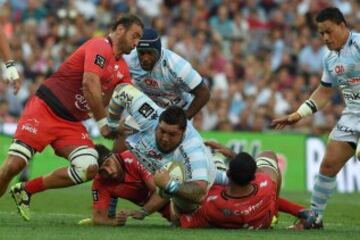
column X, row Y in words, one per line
column 211, row 144
column 16, row 87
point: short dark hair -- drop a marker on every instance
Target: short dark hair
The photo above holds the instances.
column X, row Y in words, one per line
column 242, row 169
column 332, row 14
column 127, row 20
column 174, row 115
column 103, row 152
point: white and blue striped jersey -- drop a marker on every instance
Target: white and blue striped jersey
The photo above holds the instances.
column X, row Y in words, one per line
column 191, row 152
column 342, row 70
column 170, row 81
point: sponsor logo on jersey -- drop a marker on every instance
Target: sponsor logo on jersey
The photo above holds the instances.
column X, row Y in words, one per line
column 119, row 75
column 153, row 154
column 31, row 126
column 95, row 195
column 187, row 164
column 243, row 212
column 146, row 110
column 124, row 98
column 81, row 103
column 151, row 83
column 339, row 69
column 263, row 184
column 354, row 80
column 345, row 129
column 99, row 60
column 351, row 96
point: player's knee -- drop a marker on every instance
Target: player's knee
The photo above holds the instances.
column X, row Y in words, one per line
column 84, row 164
column 268, row 154
column 20, row 150
column 328, row 168
column 268, row 160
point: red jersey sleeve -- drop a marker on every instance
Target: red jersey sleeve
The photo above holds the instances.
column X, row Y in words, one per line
column 97, row 53
column 100, row 193
column 195, row 220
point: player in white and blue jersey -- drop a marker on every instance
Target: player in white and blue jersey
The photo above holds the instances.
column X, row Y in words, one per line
column 341, row 70
column 165, row 135
column 165, row 77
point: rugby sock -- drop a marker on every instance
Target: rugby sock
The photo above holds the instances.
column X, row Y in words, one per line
column 34, row 186
column 289, row 207
column 323, row 188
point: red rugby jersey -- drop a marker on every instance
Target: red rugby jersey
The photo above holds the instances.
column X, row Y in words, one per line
column 220, row 210
column 65, row 85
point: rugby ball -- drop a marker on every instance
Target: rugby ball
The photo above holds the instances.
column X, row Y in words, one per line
column 176, row 171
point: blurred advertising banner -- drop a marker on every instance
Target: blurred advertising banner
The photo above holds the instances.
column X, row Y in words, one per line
column 299, row 156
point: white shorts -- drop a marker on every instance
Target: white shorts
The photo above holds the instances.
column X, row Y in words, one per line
column 344, row 134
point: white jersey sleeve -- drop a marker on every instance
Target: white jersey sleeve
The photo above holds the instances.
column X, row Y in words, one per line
column 186, row 76
column 326, row 79
column 142, row 109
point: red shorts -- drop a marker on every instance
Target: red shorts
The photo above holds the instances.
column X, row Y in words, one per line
column 39, row 126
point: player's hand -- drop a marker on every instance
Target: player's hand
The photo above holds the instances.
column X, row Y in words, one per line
column 12, row 76
column 161, row 178
column 121, row 217
column 220, row 148
column 106, row 132
column 280, row 123
column 138, row 214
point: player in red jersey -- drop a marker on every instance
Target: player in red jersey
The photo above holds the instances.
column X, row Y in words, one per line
column 122, row 176
column 250, row 200
column 82, row 85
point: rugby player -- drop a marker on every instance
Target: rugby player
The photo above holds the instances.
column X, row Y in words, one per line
column 83, row 84
column 250, row 200
column 165, row 135
column 122, row 176
column 339, row 71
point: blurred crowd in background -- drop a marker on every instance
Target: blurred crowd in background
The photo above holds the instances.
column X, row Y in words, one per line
column 261, row 58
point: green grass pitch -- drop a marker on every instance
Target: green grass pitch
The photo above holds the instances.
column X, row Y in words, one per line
column 55, row 214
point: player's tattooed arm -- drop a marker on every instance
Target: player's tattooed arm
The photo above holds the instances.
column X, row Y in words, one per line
column 194, row 191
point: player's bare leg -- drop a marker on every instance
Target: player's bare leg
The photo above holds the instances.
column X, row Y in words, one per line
column 9, row 169
column 336, row 155
column 81, row 170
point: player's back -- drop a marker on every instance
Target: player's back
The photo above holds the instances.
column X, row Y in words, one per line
column 254, row 211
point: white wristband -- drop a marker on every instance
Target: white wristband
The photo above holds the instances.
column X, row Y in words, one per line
column 11, row 74
column 102, row 122
column 307, row 108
